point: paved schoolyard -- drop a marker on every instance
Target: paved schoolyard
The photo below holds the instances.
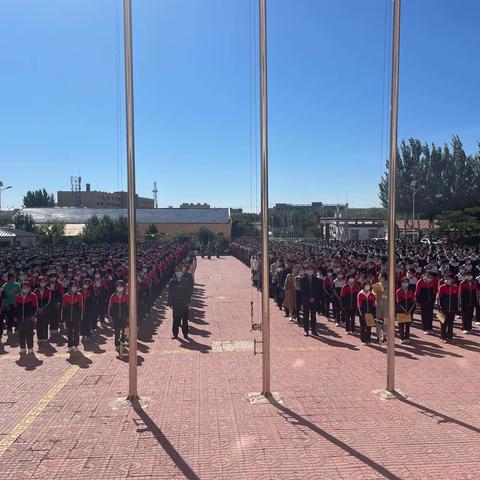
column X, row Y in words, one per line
column 57, row 421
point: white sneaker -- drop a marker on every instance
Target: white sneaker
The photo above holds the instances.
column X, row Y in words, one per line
column 23, row 350
column 477, row 323
column 75, row 349
column 291, row 319
column 465, row 332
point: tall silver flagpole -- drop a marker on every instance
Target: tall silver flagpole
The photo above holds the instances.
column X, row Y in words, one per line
column 392, row 190
column 132, row 241
column 264, row 151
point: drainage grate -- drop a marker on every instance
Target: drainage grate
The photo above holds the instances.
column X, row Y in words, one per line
column 233, row 346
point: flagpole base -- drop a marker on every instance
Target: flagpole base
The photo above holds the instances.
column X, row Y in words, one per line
column 385, row 394
column 264, row 398
column 126, row 402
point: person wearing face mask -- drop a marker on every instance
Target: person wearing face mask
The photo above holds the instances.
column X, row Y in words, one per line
column 26, row 309
column 89, row 309
column 72, row 314
column 11, row 289
column 44, row 298
column 310, row 289
column 338, row 312
column 468, row 297
column 328, row 293
column 405, row 304
column 348, row 297
column 55, row 306
column 180, row 291
column 366, row 304
column 448, row 303
column 280, row 274
column 380, row 288
column 298, row 294
column 425, row 294
column 290, row 300
column 117, row 311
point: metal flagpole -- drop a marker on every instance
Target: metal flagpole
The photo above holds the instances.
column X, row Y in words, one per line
column 264, row 151
column 392, row 190
column 132, row 241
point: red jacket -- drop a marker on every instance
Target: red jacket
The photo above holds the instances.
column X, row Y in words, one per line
column 26, row 306
column 405, row 300
column 44, row 297
column 366, row 302
column 468, row 293
column 426, row 293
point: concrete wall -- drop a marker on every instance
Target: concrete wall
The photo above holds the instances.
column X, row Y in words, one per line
column 94, row 199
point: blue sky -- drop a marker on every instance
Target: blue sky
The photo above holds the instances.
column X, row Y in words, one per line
column 195, row 80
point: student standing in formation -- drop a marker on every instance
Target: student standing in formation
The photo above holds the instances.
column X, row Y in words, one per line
column 468, row 296
column 405, row 304
column 44, row 298
column 72, row 314
column 26, row 309
column 448, row 302
column 180, row 291
column 348, row 297
column 117, row 311
column 310, row 288
column 290, row 300
column 338, row 284
column 426, row 294
column 366, row 303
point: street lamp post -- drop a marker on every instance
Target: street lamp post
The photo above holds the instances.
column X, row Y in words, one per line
column 413, row 184
column 2, row 188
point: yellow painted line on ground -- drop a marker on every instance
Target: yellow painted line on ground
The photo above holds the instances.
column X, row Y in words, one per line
column 37, row 409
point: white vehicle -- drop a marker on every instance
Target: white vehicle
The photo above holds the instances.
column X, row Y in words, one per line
column 427, row 241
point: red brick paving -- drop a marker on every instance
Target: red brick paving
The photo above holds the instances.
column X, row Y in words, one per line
column 200, row 426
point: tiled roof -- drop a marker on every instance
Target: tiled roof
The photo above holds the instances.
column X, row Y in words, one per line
column 7, row 232
column 144, row 216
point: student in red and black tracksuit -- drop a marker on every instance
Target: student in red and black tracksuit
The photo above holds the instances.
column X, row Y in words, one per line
column 405, row 303
column 348, row 298
column 426, row 294
column 72, row 314
column 448, row 300
column 118, row 312
column 44, row 297
column 468, row 294
column 328, row 293
column 26, row 308
column 89, row 309
column 102, row 293
column 366, row 303
column 55, row 306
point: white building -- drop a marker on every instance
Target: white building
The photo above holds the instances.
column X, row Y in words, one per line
column 11, row 237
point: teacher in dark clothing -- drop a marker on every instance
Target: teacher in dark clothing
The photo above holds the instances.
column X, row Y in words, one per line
column 180, row 291
column 310, row 287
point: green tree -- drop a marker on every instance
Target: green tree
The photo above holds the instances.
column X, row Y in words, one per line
column 38, row 198
column 24, row 222
column 205, row 235
column 447, row 178
column 106, row 230
column 458, row 223
column 244, row 224
column 51, row 233
column 152, row 229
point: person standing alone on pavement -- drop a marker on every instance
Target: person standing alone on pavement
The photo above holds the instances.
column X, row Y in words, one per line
column 180, row 291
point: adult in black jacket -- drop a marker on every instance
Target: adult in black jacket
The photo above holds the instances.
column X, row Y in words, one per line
column 311, row 291
column 180, row 291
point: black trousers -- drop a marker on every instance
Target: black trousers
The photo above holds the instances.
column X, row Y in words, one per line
column 119, row 325
column 54, row 316
column 42, row 326
column 349, row 315
column 338, row 312
column 25, row 333
column 73, row 332
column 447, row 325
column 326, row 306
column 467, row 317
column 404, row 330
column 180, row 318
column 310, row 317
column 10, row 315
column 365, row 332
column 298, row 303
column 426, row 312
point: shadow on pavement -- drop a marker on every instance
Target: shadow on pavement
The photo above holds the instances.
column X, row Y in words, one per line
column 151, row 426
column 289, row 415
column 441, row 418
column 79, row 359
column 29, row 361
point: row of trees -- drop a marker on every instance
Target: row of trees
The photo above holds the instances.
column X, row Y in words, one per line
column 38, row 198
column 447, row 178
